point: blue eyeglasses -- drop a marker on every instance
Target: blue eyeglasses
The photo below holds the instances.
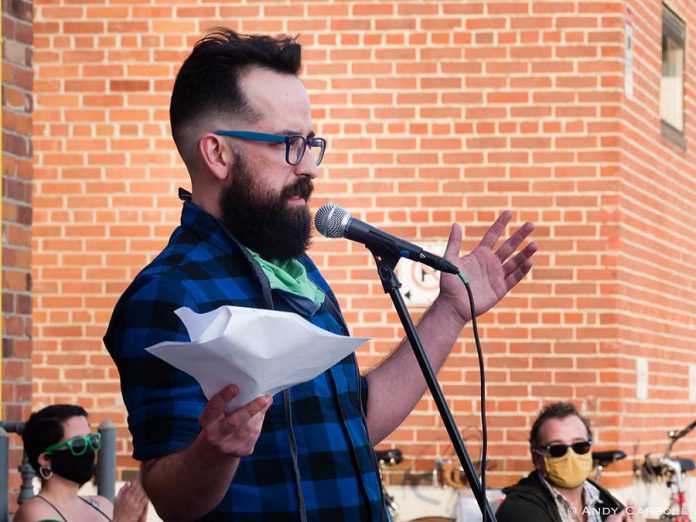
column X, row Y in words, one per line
column 295, row 144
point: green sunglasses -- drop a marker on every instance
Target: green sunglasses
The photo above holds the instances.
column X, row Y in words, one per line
column 78, row 445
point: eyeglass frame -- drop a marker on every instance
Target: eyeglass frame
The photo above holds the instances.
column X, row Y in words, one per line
column 546, row 450
column 70, row 442
column 278, row 138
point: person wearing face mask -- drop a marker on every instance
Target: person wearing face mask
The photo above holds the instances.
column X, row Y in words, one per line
column 62, row 451
column 558, row 489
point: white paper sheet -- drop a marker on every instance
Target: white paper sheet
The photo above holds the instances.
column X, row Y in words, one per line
column 260, row 351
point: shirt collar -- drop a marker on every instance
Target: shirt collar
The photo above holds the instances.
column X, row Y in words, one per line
column 591, row 496
column 205, row 225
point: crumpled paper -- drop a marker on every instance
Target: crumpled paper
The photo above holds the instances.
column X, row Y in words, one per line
column 262, row 352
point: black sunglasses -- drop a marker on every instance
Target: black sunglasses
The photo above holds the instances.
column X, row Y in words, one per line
column 558, row 450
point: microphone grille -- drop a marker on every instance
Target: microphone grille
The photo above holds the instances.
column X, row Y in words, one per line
column 331, row 220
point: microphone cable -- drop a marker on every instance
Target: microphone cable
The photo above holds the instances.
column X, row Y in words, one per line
column 482, row 373
column 332, row 221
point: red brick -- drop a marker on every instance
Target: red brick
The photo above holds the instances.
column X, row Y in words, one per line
column 434, row 111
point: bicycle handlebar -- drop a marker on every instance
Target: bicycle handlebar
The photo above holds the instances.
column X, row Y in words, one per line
column 676, row 435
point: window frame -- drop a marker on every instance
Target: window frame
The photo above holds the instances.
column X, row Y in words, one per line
column 674, row 28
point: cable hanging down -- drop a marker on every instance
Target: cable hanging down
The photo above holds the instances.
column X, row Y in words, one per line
column 482, row 373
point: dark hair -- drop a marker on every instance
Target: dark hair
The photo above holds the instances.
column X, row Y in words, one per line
column 208, row 79
column 45, row 427
column 557, row 410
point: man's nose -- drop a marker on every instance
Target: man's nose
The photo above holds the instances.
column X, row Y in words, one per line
column 308, row 166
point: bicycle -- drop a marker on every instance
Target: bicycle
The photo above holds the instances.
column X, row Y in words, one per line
column 656, row 467
column 385, row 459
column 390, row 458
column 672, row 470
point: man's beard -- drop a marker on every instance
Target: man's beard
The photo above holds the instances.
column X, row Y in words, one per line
column 262, row 220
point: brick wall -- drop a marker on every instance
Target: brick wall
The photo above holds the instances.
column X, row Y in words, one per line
column 435, row 111
column 16, row 218
column 656, row 280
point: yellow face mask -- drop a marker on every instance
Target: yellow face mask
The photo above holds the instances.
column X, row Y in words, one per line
column 568, row 471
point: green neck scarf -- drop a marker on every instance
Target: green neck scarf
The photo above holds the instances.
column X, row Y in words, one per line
column 289, row 276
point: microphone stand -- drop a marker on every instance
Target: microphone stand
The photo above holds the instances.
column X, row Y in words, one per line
column 386, row 262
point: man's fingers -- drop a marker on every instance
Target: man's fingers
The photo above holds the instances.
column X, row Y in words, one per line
column 511, row 244
column 619, row 517
column 519, row 273
column 633, row 514
column 454, row 243
column 513, row 264
column 216, row 405
column 245, row 413
column 223, row 397
column 519, row 266
column 497, row 228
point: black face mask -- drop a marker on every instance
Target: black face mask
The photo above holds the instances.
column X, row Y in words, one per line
column 77, row 469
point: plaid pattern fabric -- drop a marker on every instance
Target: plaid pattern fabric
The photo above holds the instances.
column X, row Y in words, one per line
column 567, row 512
column 313, row 460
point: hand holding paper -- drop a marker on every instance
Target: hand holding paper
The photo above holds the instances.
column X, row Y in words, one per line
column 260, row 351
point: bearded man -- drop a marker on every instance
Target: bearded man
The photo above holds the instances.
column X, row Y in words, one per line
column 241, row 121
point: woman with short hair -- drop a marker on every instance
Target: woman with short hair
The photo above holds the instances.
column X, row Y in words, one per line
column 62, row 450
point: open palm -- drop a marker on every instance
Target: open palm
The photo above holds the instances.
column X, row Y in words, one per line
column 491, row 274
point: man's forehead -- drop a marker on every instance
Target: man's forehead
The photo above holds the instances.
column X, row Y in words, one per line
column 278, row 98
column 570, row 427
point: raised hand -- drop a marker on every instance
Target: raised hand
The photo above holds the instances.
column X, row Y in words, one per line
column 234, row 434
column 491, row 274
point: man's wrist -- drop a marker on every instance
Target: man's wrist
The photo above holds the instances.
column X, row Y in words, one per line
column 445, row 308
column 203, row 449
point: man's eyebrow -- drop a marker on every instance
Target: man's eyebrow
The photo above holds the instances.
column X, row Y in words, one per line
column 292, row 132
column 560, row 441
column 552, row 441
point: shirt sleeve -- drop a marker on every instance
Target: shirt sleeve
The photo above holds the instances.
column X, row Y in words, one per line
column 363, row 393
column 163, row 403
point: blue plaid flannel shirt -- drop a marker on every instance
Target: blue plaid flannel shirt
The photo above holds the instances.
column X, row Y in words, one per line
column 313, row 460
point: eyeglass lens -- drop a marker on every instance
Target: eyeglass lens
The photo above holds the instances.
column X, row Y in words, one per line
column 78, row 445
column 296, row 149
column 558, row 450
column 95, row 441
column 298, row 145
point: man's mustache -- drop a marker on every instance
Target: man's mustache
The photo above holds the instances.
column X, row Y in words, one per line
column 302, row 189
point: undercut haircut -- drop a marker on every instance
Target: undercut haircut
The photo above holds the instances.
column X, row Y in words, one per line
column 208, row 81
column 556, row 410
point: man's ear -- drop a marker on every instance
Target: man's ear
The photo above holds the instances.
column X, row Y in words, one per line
column 538, row 461
column 216, row 155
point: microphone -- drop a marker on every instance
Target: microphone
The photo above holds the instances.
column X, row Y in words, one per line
column 333, row 221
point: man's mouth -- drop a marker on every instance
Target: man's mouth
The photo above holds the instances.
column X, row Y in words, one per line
column 300, row 191
column 297, row 200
